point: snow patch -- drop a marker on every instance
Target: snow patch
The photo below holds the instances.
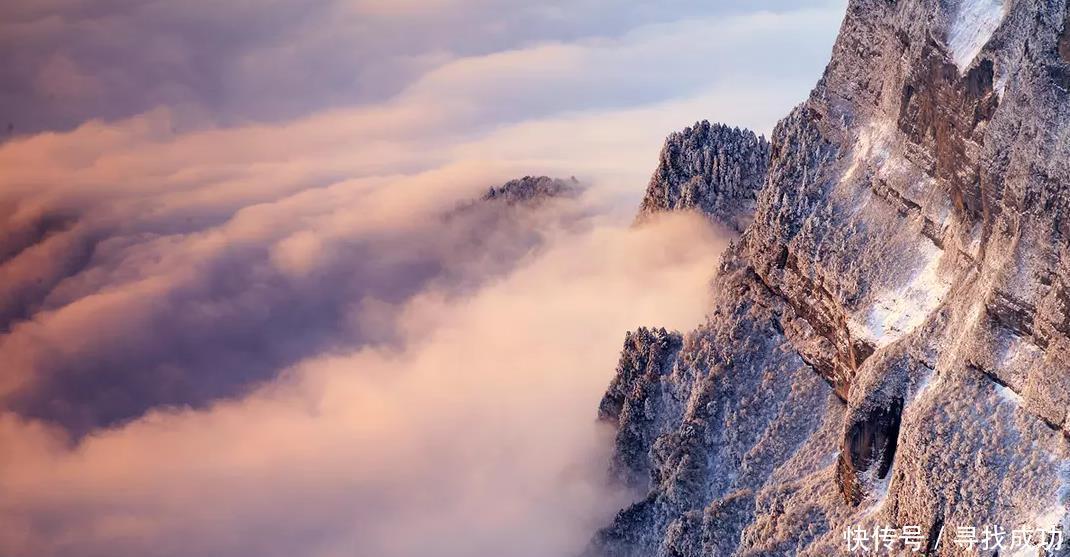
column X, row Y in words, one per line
column 1057, row 514
column 1019, row 353
column 896, row 312
column 1001, row 84
column 1008, row 395
column 878, row 496
column 928, row 382
column 1052, row 518
column 973, row 244
column 872, row 146
column 971, row 29
column 975, row 314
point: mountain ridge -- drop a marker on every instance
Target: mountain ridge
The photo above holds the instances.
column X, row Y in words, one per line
column 890, row 342
column 711, row 168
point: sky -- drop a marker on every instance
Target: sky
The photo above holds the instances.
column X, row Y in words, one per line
column 248, row 309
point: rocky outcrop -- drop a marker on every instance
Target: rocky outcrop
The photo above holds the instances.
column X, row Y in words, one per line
column 531, row 188
column 634, row 401
column 712, row 168
column 889, row 345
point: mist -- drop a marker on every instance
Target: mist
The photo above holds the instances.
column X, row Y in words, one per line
column 251, row 303
column 477, row 437
column 217, row 362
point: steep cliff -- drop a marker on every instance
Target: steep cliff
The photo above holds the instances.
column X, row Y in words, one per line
column 711, row 168
column 890, row 345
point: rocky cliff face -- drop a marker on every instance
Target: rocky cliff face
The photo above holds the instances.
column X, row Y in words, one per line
column 711, row 168
column 890, row 344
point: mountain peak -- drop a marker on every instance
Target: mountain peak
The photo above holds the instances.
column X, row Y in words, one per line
column 712, row 168
column 532, row 188
column 889, row 344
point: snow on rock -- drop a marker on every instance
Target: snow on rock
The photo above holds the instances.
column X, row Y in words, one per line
column 849, row 226
column 714, row 168
column 1056, row 516
column 972, row 27
column 872, row 146
column 1007, row 395
column 1019, row 353
column 1001, row 84
column 928, row 382
column 896, row 312
column 1052, row 518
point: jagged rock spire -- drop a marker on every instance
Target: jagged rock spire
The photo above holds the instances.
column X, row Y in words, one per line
column 712, row 168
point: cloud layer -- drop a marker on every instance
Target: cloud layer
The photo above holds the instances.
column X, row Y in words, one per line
column 475, row 437
column 241, row 313
column 63, row 62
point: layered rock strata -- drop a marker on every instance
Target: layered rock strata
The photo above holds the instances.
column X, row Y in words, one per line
column 890, row 341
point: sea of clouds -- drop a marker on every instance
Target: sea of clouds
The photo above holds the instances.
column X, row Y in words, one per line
column 241, row 313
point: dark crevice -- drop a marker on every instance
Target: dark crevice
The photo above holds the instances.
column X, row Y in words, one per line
column 990, row 375
column 877, row 437
column 934, row 535
column 872, row 439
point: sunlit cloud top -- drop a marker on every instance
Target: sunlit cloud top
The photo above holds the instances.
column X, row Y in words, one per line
column 241, row 313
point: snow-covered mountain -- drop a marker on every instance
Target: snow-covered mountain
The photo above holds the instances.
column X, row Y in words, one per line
column 713, row 168
column 890, row 341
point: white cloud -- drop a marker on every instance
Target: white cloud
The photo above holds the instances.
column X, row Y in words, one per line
column 277, row 60
column 271, row 338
